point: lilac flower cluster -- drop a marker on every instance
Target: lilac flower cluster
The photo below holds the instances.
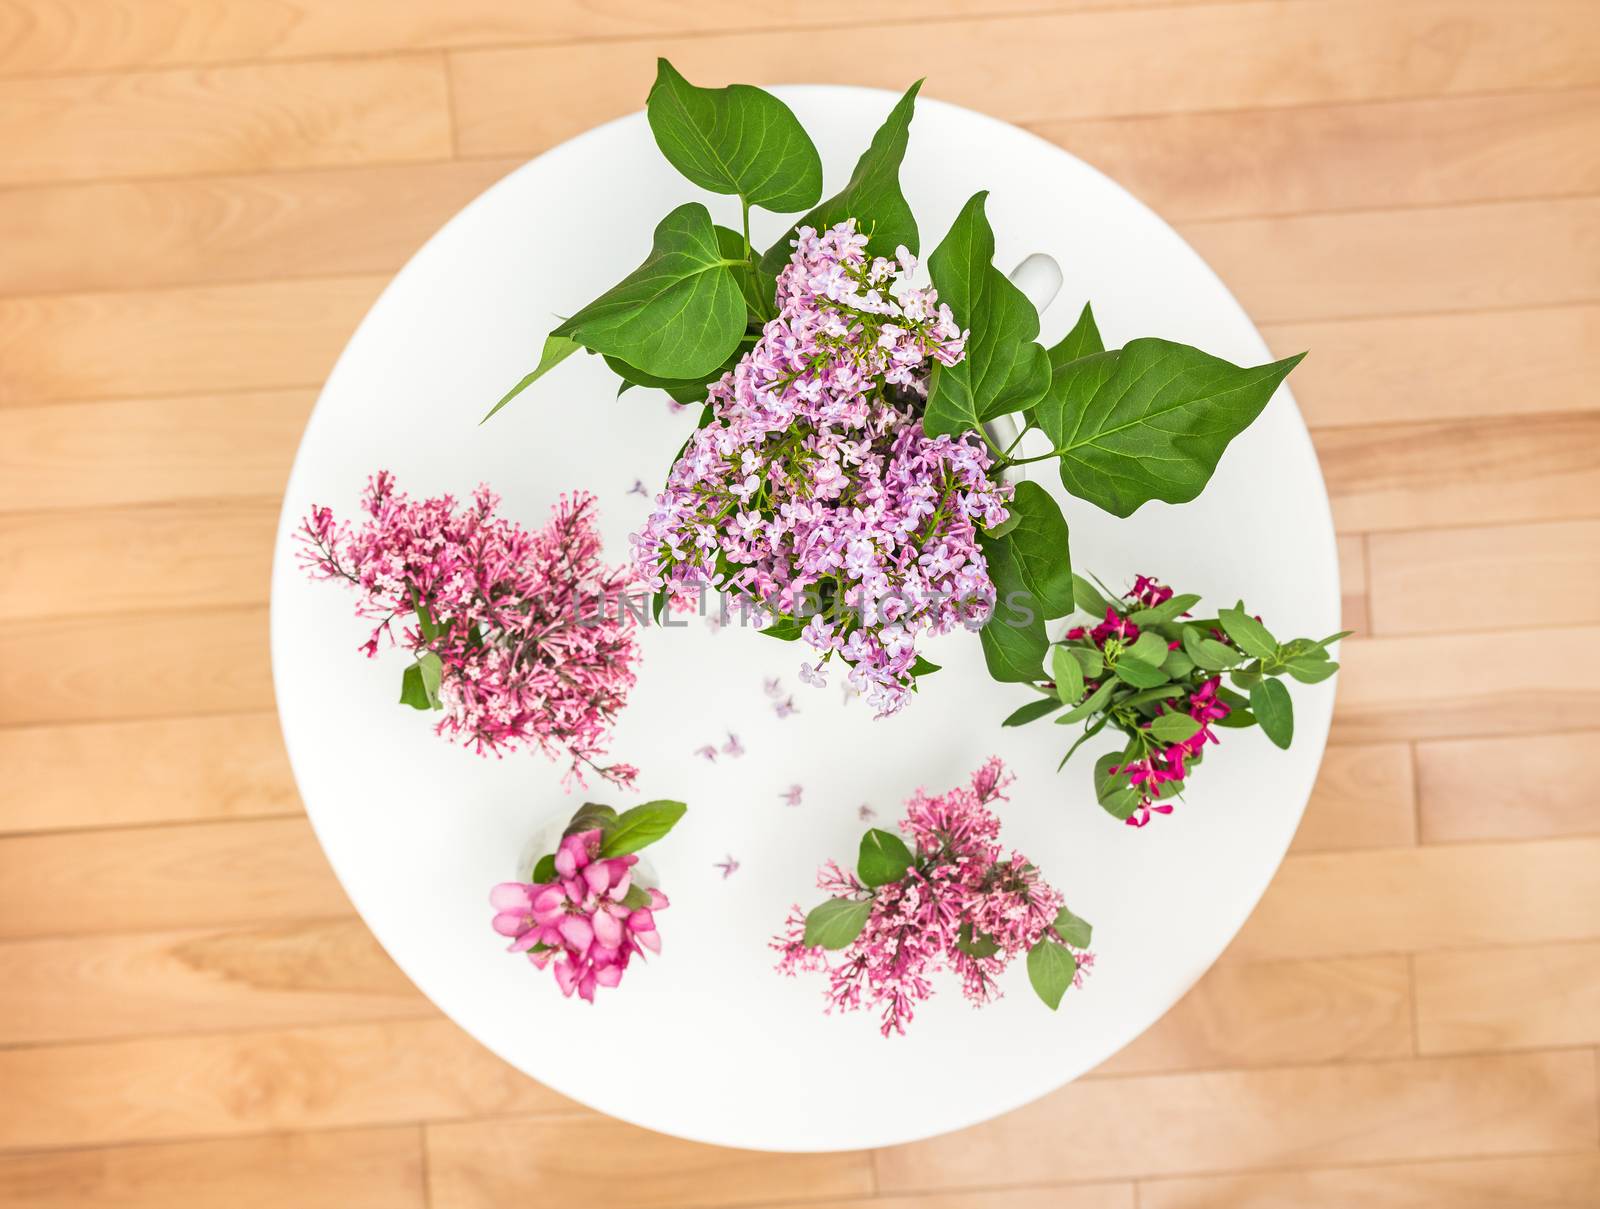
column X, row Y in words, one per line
column 812, row 488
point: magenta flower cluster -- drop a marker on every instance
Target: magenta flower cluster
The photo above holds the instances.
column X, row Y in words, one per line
column 813, row 489
column 583, row 919
column 527, row 654
column 965, row 905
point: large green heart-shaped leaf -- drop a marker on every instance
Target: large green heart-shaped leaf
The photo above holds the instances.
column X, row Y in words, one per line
column 872, row 196
column 556, row 350
column 737, row 139
column 1082, row 341
column 1151, row 421
column 1014, row 641
column 1038, row 544
column 1004, row 370
column 678, row 315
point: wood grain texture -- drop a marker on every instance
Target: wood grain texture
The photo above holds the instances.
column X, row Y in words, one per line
column 226, row 119
column 1548, row 1182
column 1183, row 1124
column 1507, row 789
column 129, row 985
column 1365, row 797
column 482, row 1163
column 358, row 1169
column 1508, row 998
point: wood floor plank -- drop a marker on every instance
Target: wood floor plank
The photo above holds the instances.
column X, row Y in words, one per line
column 1323, row 1115
column 119, row 774
column 1506, row 576
column 308, row 972
column 143, row 451
column 201, row 230
column 1519, row 787
column 1365, row 797
column 1343, row 157
column 1279, row 1014
column 486, row 1163
column 55, row 36
column 200, row 340
column 1408, row 899
column 1487, row 471
column 1353, row 583
column 1570, row 1181
column 161, row 1089
column 510, row 101
column 1422, row 368
column 1059, row 1196
column 193, row 875
column 1449, row 258
column 1521, row 997
column 148, row 665
column 249, row 118
column 162, row 557
column 1433, row 686
column 355, row 1169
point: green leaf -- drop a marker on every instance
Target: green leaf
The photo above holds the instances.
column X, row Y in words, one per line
column 1208, row 653
column 1168, row 610
column 1269, row 702
column 1093, row 704
column 544, row 869
column 976, row 944
column 1174, row 728
column 1088, row 733
column 1089, row 659
column 1032, row 711
column 759, row 287
column 872, row 195
column 1151, row 421
column 1039, row 544
column 1088, row 598
column 640, row 826
column 1051, row 967
column 1064, row 670
column 1076, row 932
column 1311, row 671
column 837, row 922
column 636, row 897
column 556, row 350
column 1252, row 637
column 680, row 314
column 419, row 684
column 784, row 629
column 1082, row 341
column 1014, row 641
column 1149, row 648
column 884, row 858
column 923, row 667
column 1177, row 664
column 1004, row 370
column 740, row 140
column 591, row 815
column 1138, row 673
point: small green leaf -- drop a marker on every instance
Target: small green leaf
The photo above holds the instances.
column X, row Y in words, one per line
column 641, row 826
column 1051, row 968
column 1003, row 370
column 589, row 817
column 1311, row 671
column 419, row 685
column 1208, row 653
column 556, row 350
column 1149, row 648
column 680, row 314
column 1138, row 673
column 1092, row 704
column 544, row 869
column 740, row 140
column 1088, row 597
column 1252, row 637
column 1064, row 670
column 1170, row 609
column 884, row 858
column 976, row 944
column 872, row 196
column 1082, row 341
column 1076, row 932
column 923, row 667
column 1089, row 659
column 1269, row 702
column 1039, row 544
column 636, row 897
column 1032, row 711
column 1174, row 728
column 837, row 922
column 1088, row 733
column 1177, row 664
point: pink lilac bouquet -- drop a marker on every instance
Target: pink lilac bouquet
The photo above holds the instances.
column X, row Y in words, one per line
column 1150, row 670
column 953, row 899
column 812, row 486
column 584, row 913
column 513, row 632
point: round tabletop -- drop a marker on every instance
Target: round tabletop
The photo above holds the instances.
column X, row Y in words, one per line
column 707, row 1041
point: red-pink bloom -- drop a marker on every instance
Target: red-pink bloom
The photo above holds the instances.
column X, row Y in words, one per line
column 534, row 643
column 585, row 919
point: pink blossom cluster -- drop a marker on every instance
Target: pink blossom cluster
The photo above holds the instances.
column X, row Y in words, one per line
column 812, row 487
column 531, row 650
column 963, row 895
column 586, row 919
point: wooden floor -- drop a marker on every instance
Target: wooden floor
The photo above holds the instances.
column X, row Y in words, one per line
column 199, row 199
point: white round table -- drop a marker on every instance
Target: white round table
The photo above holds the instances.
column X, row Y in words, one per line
column 706, row 1041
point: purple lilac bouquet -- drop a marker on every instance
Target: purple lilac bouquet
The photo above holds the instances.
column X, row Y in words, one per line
column 1153, row 672
column 509, row 643
column 953, row 899
column 812, row 487
column 584, row 907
